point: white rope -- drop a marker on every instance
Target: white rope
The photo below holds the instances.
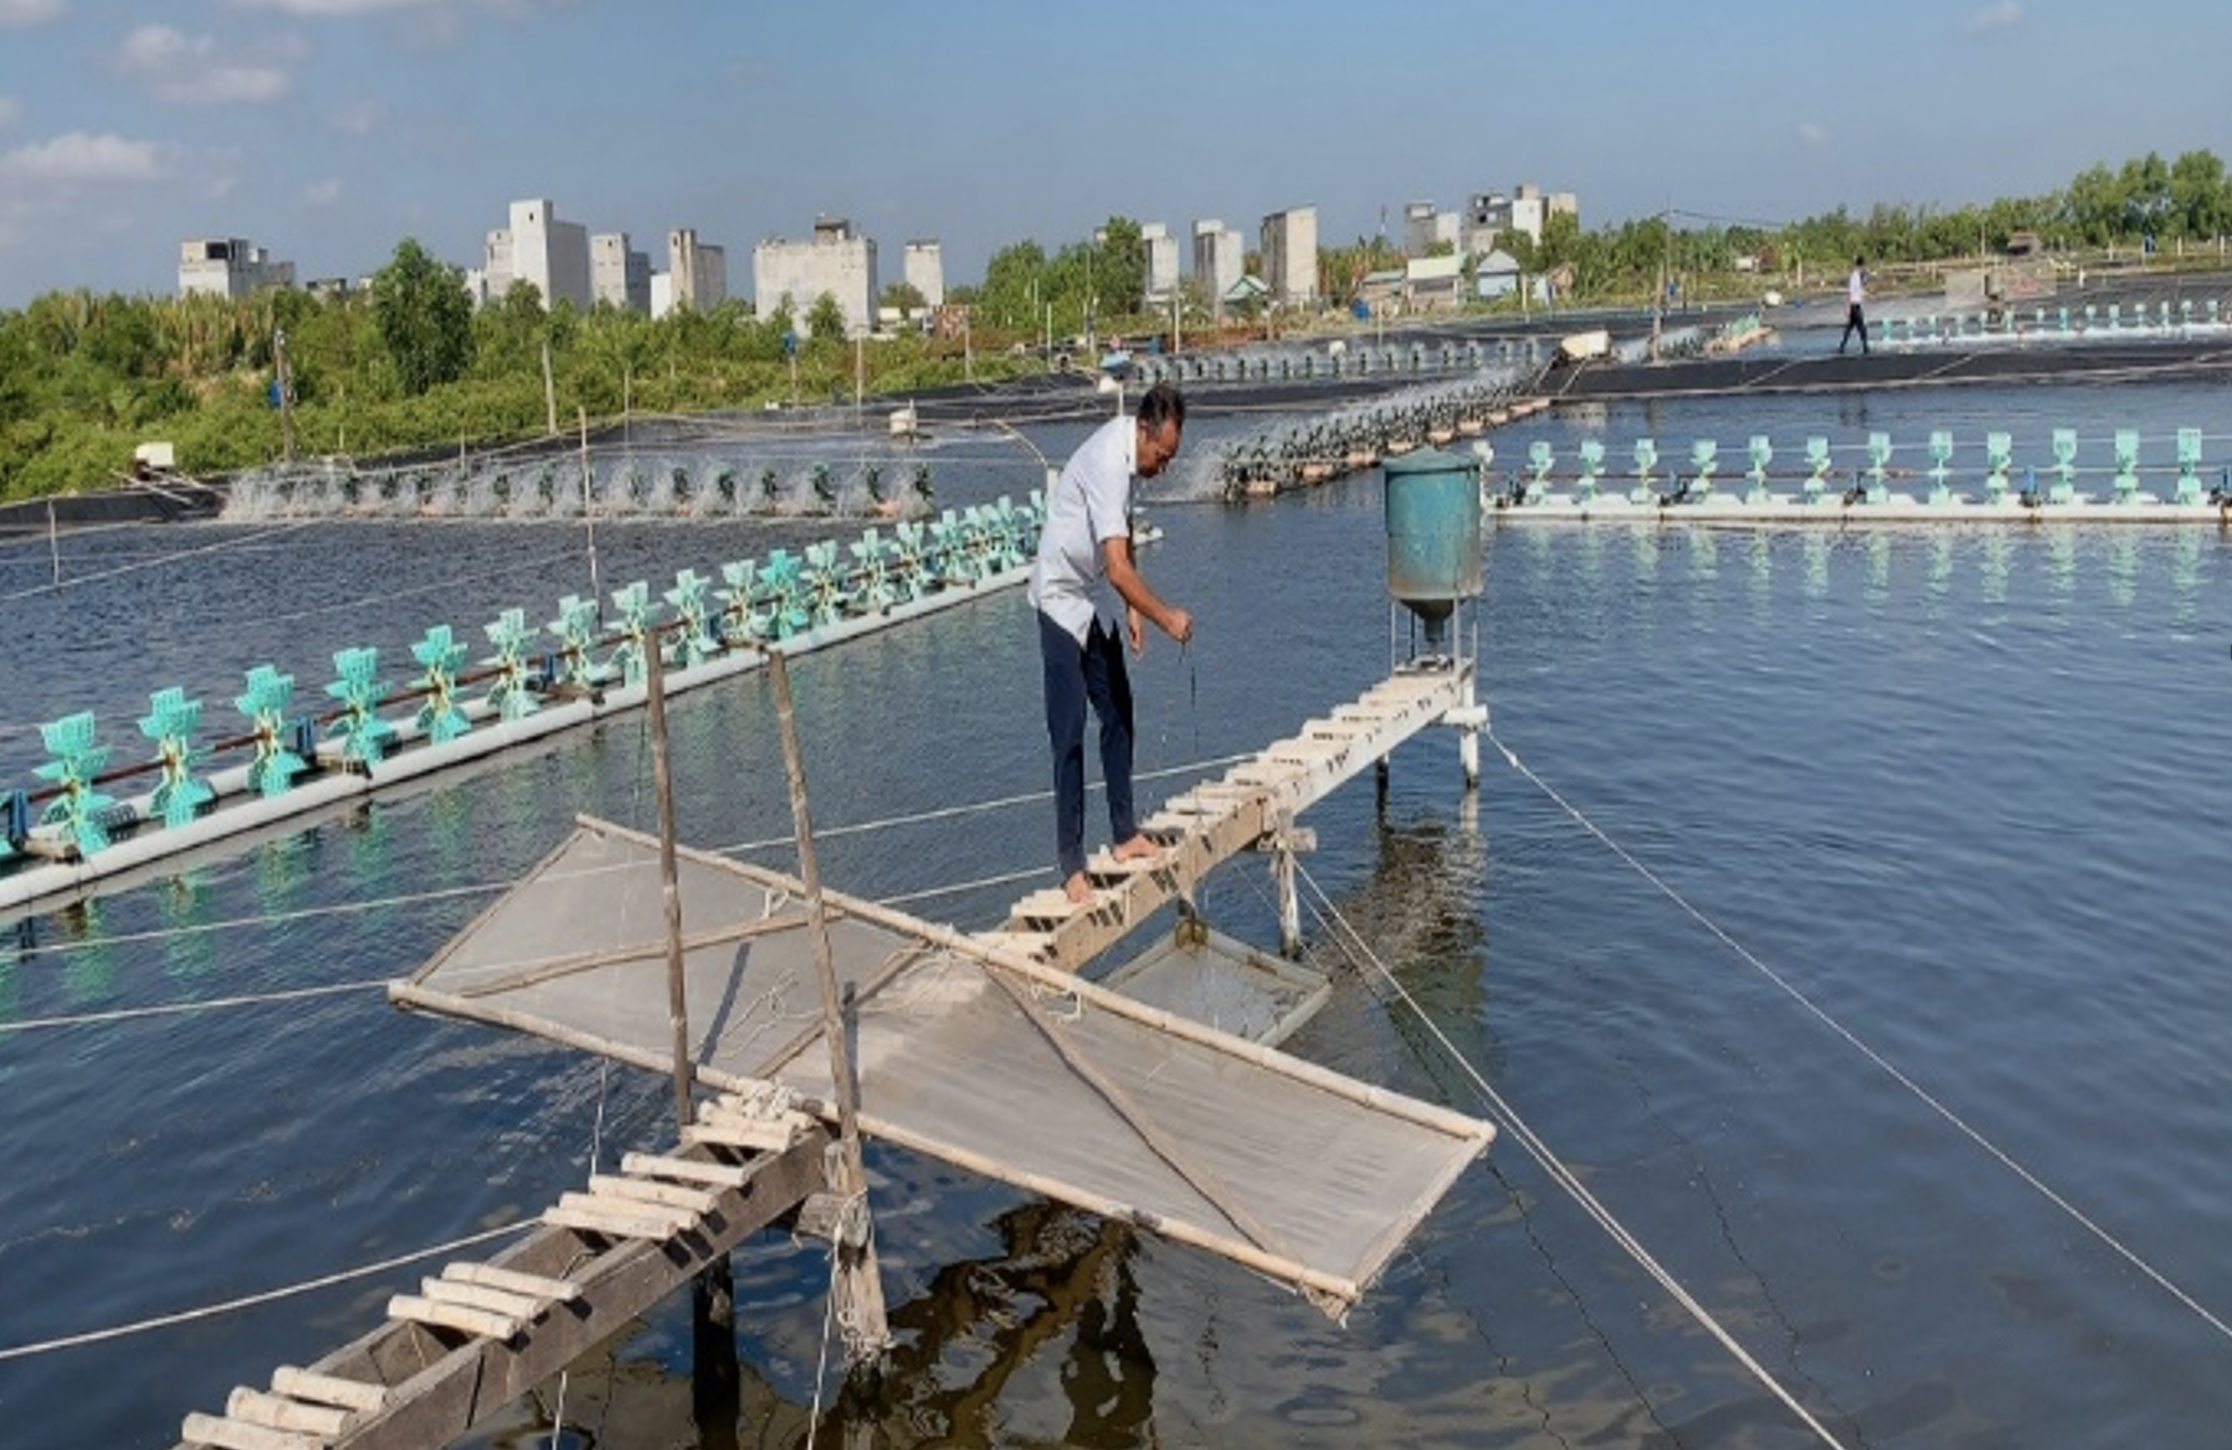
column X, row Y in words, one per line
column 1007, row 878
column 1328, row 914
column 829, row 1329
column 211, row 1311
column 942, row 813
column 1877, row 1059
column 58, row 586
column 436, row 587
column 179, row 1009
column 237, row 923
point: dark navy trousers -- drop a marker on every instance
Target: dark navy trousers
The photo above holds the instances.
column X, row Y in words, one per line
column 1077, row 674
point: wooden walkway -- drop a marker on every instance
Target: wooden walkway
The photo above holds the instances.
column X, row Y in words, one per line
column 1138, row 1115
column 481, row 1335
column 1208, row 825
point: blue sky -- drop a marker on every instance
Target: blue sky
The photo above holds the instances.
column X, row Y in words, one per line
column 327, row 130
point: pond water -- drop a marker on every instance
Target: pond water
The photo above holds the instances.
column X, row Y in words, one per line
column 1894, row 1027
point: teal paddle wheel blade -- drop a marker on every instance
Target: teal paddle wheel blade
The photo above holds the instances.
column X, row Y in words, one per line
column 439, row 656
column 171, row 722
column 907, row 571
column 785, row 595
column 956, row 561
column 824, row 582
column 512, row 694
column 742, row 624
column 77, row 806
column 576, row 632
column 691, row 598
column 364, row 736
column 270, row 695
column 872, row 568
column 638, row 621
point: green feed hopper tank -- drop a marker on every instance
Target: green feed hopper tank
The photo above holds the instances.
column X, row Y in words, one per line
column 1433, row 536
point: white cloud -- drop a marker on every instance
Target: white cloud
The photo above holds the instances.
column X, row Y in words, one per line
column 10, row 108
column 323, row 193
column 24, row 14
column 343, row 9
column 187, row 69
column 358, row 118
column 76, row 156
column 326, row 9
column 2004, row 15
column 1812, row 134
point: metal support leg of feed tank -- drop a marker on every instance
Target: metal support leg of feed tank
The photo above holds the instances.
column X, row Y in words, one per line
column 1288, row 841
column 1468, row 718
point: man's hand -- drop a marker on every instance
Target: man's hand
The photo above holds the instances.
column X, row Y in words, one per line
column 1135, row 625
column 1180, row 625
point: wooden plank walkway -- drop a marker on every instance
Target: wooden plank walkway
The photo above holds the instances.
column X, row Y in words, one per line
column 480, row 1335
column 1134, row 1113
column 1208, row 825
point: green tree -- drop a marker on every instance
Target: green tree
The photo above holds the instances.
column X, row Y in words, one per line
column 425, row 317
column 905, row 296
column 2200, row 194
column 825, row 319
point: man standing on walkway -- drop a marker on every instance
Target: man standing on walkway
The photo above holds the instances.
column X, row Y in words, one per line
column 1084, row 570
column 1856, row 292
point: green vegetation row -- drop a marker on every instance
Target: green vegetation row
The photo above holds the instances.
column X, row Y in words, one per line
column 409, row 363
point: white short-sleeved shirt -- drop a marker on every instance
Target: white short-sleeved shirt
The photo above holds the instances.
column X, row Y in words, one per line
column 1856, row 287
column 1091, row 504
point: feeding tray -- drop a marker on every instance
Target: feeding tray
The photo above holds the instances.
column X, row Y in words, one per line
column 1224, row 983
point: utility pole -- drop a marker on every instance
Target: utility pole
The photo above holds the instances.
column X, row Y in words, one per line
column 860, row 371
column 550, row 390
column 968, row 345
column 589, row 516
column 284, row 376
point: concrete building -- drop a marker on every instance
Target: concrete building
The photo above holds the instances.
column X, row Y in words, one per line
column 662, row 293
column 1424, row 229
column 1161, row 261
column 1218, row 258
column 1490, row 214
column 697, row 272
column 228, row 267
column 539, row 248
column 618, row 274
column 1290, row 256
column 835, row 261
column 923, row 267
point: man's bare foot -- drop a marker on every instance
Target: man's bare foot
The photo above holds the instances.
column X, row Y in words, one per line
column 1138, row 848
column 1078, row 889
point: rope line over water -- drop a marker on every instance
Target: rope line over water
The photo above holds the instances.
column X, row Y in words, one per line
column 1360, row 951
column 219, row 546
column 250, row 1301
column 1876, row 1059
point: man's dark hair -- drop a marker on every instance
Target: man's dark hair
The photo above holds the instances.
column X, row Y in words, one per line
column 1162, row 404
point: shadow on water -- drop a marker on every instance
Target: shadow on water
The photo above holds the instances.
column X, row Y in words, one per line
column 1057, row 1303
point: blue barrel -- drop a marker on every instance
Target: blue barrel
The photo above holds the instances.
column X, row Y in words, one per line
column 1433, row 532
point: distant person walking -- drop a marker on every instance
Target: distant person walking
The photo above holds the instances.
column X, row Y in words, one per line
column 1856, row 293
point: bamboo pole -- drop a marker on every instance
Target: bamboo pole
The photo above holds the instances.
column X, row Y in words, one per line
column 678, row 992
column 825, row 965
column 866, row 1292
column 552, row 968
column 1161, row 1144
